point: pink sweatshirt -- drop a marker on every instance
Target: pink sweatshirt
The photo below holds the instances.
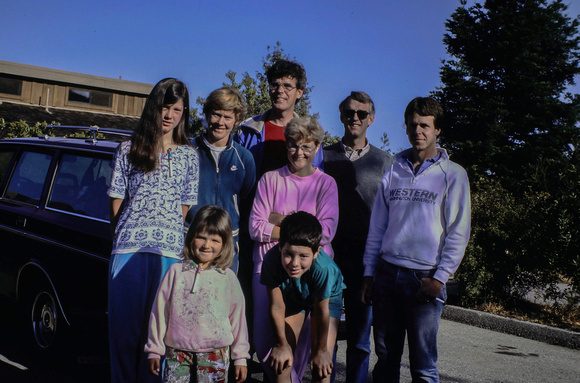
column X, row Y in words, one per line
column 199, row 312
column 280, row 191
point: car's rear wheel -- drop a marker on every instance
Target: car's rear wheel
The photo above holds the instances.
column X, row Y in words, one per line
column 45, row 321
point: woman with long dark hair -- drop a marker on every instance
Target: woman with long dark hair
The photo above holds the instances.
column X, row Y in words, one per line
column 153, row 185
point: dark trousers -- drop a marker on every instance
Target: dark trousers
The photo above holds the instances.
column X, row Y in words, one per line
column 348, row 255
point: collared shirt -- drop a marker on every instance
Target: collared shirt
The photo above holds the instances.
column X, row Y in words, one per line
column 424, row 166
column 355, row 154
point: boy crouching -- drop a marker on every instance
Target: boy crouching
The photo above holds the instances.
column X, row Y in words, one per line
column 301, row 280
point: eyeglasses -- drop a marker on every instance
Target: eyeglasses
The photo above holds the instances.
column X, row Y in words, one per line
column 286, row 86
column 349, row 113
column 306, row 149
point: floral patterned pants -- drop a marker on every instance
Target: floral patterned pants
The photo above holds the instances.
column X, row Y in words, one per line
column 197, row 367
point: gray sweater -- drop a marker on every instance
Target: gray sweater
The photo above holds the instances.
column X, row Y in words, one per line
column 358, row 182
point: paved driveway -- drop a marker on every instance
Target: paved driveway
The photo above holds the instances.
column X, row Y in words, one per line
column 466, row 354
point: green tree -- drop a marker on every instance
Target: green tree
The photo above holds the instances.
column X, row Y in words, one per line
column 511, row 122
column 196, row 119
column 504, row 89
column 255, row 90
column 386, row 145
column 21, row 129
column 329, row 139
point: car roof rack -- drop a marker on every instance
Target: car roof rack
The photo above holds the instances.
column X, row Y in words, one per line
column 91, row 129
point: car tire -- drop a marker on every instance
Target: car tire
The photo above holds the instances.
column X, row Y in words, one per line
column 44, row 320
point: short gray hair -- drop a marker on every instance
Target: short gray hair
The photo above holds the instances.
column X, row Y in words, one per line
column 305, row 129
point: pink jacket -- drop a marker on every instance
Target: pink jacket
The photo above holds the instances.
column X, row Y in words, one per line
column 200, row 312
column 280, row 191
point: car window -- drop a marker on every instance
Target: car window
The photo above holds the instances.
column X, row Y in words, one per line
column 5, row 158
column 28, row 179
column 80, row 186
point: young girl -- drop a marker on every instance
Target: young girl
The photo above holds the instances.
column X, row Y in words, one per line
column 199, row 311
column 153, row 184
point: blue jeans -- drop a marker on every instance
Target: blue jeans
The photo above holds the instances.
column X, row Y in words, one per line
column 133, row 282
column 397, row 314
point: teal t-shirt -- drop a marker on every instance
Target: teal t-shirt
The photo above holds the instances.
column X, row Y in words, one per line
column 323, row 280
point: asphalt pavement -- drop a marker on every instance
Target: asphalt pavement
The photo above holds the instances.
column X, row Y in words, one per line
column 472, row 348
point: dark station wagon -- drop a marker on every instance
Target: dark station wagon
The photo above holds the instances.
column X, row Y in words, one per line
column 55, row 239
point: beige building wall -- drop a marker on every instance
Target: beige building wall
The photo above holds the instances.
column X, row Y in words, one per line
column 50, row 88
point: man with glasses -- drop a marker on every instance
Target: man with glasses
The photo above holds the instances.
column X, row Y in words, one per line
column 357, row 166
column 263, row 134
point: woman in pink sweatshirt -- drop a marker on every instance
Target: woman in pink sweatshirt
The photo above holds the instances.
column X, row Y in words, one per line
column 296, row 187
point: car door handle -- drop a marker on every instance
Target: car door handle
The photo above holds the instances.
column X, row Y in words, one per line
column 21, row 222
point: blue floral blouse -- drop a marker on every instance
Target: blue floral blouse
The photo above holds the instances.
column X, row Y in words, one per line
column 152, row 217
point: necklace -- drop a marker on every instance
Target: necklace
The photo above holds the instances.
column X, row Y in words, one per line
column 170, row 160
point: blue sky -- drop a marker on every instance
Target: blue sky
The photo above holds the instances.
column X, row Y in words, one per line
column 390, row 49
